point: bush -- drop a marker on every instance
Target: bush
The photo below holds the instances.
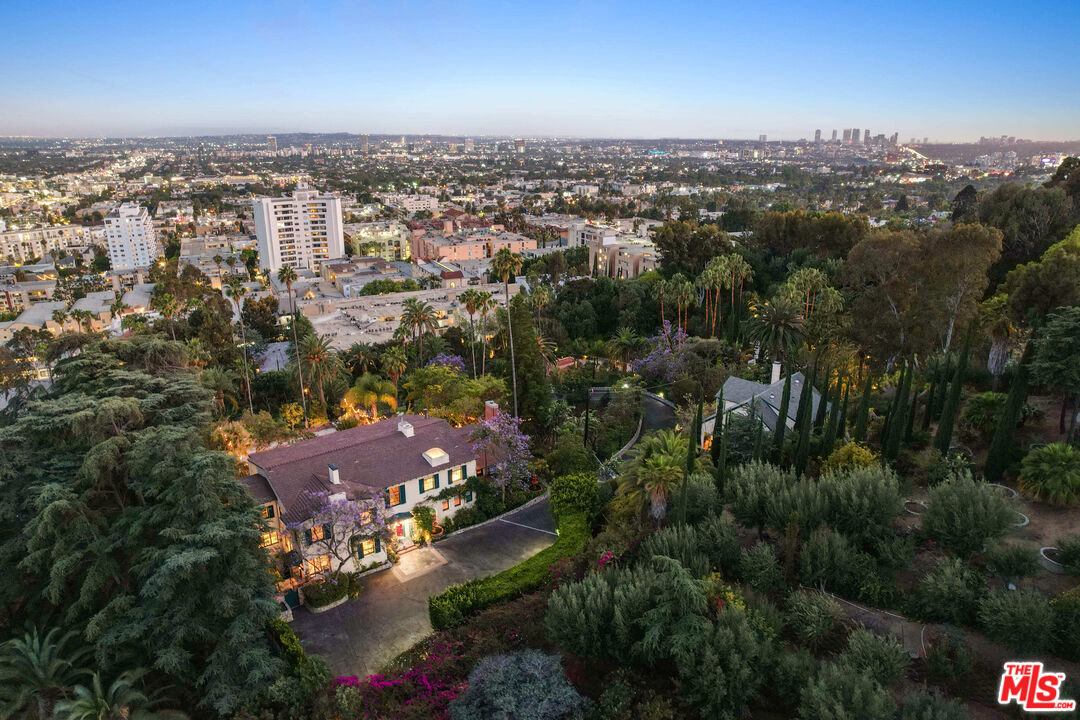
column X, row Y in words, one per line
column 750, row 488
column 527, row 685
column 882, row 657
column 1020, row 619
column 760, row 569
column 704, row 500
column 711, row 544
column 1068, row 554
column 463, row 518
column 306, row 675
column 1012, row 562
column 964, row 514
column 850, row 455
column 949, row 593
column 858, row 501
column 721, row 670
column 830, row 560
column 572, row 494
column 982, row 413
column 812, row 615
column 923, row 705
column 323, row 591
column 793, row 671
column 1066, row 609
column 948, row 657
column 837, row 693
column 451, row 606
column 1051, row 474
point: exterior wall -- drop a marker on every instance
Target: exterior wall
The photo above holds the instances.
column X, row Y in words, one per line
column 129, row 235
column 21, row 245
column 299, row 231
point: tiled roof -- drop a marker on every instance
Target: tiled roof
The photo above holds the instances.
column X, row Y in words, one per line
column 258, row 488
column 369, row 458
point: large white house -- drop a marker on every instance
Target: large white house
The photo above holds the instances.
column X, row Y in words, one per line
column 301, row 230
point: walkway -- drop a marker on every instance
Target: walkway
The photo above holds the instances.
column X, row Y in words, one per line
column 391, row 615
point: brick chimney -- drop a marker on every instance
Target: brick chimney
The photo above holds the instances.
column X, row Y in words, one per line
column 491, row 409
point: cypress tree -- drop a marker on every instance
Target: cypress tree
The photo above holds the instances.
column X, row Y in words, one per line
column 781, row 420
column 718, row 430
column 898, row 417
column 804, row 424
column 721, row 469
column 945, row 373
column 819, row 419
column 842, row 430
column 943, row 439
column 930, row 400
column 909, row 431
column 691, row 460
column 759, row 441
column 862, row 415
column 834, row 420
column 1001, row 446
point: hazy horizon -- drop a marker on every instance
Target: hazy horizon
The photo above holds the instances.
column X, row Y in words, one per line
column 951, row 72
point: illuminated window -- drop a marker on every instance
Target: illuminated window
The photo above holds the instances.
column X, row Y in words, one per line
column 367, row 547
column 395, row 495
column 445, row 504
column 318, row 564
column 429, row 483
column 269, row 538
column 456, row 475
column 457, row 501
column 317, row 532
column 365, row 517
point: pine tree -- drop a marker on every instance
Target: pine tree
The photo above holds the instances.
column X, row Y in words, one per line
column 781, row 420
column 943, row 439
column 862, row 414
column 1003, row 442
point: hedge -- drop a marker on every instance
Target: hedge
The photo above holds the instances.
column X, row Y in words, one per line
column 457, row 602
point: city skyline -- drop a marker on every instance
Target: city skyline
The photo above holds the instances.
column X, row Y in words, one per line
column 563, row 70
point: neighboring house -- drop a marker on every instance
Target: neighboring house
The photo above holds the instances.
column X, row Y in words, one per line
column 400, row 462
column 741, row 395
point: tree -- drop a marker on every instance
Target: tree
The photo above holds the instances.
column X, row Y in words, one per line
column 781, row 419
column 527, row 685
column 501, row 440
column 965, row 206
column 321, row 362
column 344, row 522
column 421, row 318
column 471, row 298
column 687, row 247
column 1029, row 219
column 235, row 290
column 624, row 345
column 504, row 265
column 368, row 391
column 963, row 515
column 1051, row 474
column 288, row 276
column 943, row 438
column 120, row 700
column 168, row 306
column 960, row 259
column 36, row 671
column 1002, row 446
column 394, row 363
column 1036, row 288
column 1056, row 358
column 777, row 327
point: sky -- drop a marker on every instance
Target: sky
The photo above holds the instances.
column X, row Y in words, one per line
column 950, row 70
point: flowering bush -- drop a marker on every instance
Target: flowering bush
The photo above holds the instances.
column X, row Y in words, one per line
column 500, row 437
column 454, row 362
column 665, row 359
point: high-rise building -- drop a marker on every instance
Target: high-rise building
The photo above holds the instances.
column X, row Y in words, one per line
column 271, row 143
column 926, row 141
column 519, row 145
column 834, row 136
column 299, row 231
column 855, row 136
column 847, row 135
column 817, row 136
column 895, row 139
column 866, row 137
column 763, row 138
column 469, row 145
column 129, row 237
column 365, row 145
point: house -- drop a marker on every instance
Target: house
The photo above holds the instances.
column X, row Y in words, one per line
column 740, row 395
column 400, row 462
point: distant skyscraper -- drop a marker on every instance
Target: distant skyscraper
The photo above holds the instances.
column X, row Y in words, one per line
column 895, row 139
column 469, row 145
column 847, row 135
column 763, row 138
column 866, row 137
column 926, row 141
column 519, row 145
column 817, row 136
column 855, row 135
column 365, row 144
column 271, row 143
column 834, row 136
column 129, row 235
column 298, row 231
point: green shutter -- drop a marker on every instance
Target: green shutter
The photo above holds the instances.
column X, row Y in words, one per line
column 307, row 536
column 436, row 481
column 378, row 545
column 358, row 542
column 402, row 498
column 421, row 485
column 328, row 532
column 464, row 472
column 468, row 496
column 269, row 511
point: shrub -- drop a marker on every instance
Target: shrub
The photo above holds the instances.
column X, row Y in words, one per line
column 982, row 413
column 812, row 615
column 451, row 606
column 948, row 657
column 860, row 501
column 949, row 593
column 703, row 499
column 323, row 591
column 424, row 518
column 527, row 685
column 1051, row 474
column 306, row 675
column 837, row 693
column 923, row 705
column 850, row 455
column 617, row 695
column 1068, row 554
column 720, row 670
column 1012, row 562
column 572, row 494
column 749, row 489
column 463, row 518
column 1066, row 609
column 964, row 514
column 700, row 548
column 882, row 657
column 760, row 569
column 830, row 560
column 954, row 465
column 792, row 672
column 1020, row 619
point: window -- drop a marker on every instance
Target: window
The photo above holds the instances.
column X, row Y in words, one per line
column 430, row 483
column 445, row 504
column 317, row 532
column 318, row 564
column 267, row 511
column 457, row 501
column 367, row 547
column 269, row 538
column 395, row 495
column 457, row 474
column 365, row 517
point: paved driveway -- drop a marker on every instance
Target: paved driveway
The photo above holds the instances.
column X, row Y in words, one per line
column 357, row 638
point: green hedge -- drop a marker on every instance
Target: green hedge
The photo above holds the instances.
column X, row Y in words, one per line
column 457, row 602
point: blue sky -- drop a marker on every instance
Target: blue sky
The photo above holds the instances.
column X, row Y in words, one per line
column 950, row 69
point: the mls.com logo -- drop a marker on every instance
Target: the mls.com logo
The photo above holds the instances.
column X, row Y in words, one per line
column 1032, row 689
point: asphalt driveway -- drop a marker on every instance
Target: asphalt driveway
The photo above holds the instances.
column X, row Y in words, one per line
column 390, row 615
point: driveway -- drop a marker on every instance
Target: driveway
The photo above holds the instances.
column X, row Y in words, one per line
column 658, row 415
column 391, row 615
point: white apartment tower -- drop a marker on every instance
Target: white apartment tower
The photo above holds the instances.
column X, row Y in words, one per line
column 299, row 231
column 129, row 235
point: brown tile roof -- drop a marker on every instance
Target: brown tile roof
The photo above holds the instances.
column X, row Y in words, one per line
column 258, row 488
column 370, row 458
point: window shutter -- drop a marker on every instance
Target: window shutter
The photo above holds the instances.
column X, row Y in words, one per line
column 436, row 481
column 358, row 547
column 464, row 472
column 402, row 494
column 269, row 511
column 468, row 496
column 378, row 545
column 307, row 536
column 421, row 484
column 328, row 532
column 387, row 499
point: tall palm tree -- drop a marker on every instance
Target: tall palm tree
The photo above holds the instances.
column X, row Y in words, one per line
column 654, row 469
column 60, row 317
column 777, row 328
column 370, row 390
column 35, row 672
column 221, row 384
column 420, row 316
column 169, row 307
column 506, row 264
column 540, row 296
column 288, row 276
column 486, row 303
column 322, row 362
column 471, row 300
column 117, row 308
column 358, row 358
column 623, row 345
column 394, row 364
column 235, row 290
column 81, row 316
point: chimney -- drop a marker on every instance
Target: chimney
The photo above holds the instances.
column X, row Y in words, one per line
column 405, row 427
column 775, row 372
column 491, row 409
column 335, row 477
column 448, row 226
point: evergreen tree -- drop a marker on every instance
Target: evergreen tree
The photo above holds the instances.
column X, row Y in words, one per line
column 718, row 430
column 1003, row 443
column 862, row 414
column 804, row 424
column 533, row 389
column 909, row 430
column 834, row 420
column 819, row 418
column 930, row 400
column 691, row 462
column 842, row 430
column 943, row 439
column 781, row 420
column 898, row 415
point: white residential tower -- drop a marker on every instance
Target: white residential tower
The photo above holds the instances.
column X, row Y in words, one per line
column 129, row 235
column 300, row 231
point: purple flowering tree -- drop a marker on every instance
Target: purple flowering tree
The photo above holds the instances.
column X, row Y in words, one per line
column 342, row 520
column 666, row 357
column 507, row 450
column 454, row 362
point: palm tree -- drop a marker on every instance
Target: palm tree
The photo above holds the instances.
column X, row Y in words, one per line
column 122, row 700
column 288, row 276
column 504, row 265
column 682, row 291
column 623, row 345
column 370, row 390
column 422, row 317
column 471, row 300
column 81, row 316
column 358, row 358
column 117, row 308
column 322, row 362
column 221, row 384
column 235, row 290
column 486, row 303
column 60, row 317
column 540, row 296
column 394, row 364
column 36, row 671
column 168, row 306
column 776, row 327
column 653, row 470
